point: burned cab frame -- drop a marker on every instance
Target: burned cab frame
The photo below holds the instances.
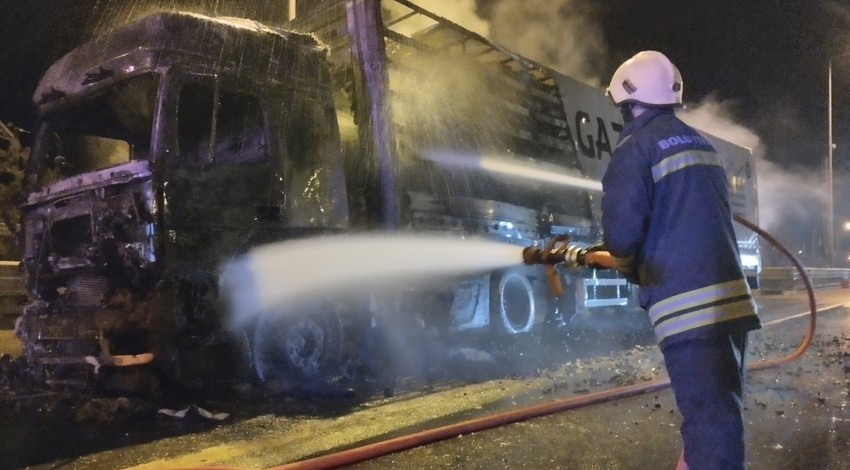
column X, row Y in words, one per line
column 164, row 148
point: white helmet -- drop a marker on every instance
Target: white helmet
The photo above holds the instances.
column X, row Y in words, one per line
column 648, row 78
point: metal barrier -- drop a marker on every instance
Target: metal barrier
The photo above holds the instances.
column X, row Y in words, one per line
column 13, row 296
column 779, row 280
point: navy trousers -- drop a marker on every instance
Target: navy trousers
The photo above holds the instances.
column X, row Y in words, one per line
column 707, row 376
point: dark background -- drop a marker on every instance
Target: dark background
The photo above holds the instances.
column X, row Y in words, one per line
column 765, row 61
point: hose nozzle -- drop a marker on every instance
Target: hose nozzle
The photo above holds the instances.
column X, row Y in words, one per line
column 558, row 250
column 549, row 256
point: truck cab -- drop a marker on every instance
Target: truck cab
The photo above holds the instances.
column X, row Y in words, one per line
column 162, row 149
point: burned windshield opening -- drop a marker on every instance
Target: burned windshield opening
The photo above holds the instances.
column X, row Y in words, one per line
column 103, row 130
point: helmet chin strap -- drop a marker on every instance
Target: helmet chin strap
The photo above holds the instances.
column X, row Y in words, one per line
column 628, row 112
column 631, row 110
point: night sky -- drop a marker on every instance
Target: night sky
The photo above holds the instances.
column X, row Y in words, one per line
column 764, row 62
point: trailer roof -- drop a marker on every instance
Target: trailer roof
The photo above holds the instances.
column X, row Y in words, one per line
column 222, row 44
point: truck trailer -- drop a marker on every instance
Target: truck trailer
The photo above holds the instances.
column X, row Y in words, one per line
column 178, row 141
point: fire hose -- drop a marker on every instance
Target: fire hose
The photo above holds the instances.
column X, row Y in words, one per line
column 557, row 251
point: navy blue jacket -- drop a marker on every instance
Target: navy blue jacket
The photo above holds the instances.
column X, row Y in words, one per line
column 668, row 223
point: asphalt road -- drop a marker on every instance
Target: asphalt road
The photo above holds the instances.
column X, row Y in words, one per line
column 797, row 414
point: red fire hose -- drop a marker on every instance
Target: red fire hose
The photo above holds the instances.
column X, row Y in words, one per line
column 371, row 451
column 378, row 449
column 813, row 305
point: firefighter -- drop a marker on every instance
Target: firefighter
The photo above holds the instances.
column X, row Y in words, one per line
column 668, row 225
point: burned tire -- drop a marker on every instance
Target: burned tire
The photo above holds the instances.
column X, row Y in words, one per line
column 297, row 345
column 513, row 307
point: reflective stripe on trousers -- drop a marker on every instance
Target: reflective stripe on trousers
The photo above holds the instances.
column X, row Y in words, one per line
column 701, row 307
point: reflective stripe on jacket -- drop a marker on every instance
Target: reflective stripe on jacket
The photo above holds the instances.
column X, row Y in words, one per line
column 668, row 223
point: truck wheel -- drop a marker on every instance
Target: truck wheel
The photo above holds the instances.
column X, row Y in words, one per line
column 512, row 302
column 297, row 345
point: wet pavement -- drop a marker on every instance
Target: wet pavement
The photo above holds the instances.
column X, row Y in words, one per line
column 797, row 415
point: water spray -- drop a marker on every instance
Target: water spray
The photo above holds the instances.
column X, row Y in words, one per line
column 279, row 276
column 377, row 449
column 514, row 167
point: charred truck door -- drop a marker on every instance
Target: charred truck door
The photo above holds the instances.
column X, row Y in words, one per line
column 248, row 168
column 217, row 191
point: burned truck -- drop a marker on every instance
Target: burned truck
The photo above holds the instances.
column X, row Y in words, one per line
column 162, row 149
column 178, row 141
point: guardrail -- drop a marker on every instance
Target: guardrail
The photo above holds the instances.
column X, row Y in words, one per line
column 13, row 296
column 779, row 280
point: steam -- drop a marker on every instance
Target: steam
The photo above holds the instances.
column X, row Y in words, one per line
column 461, row 12
column 289, row 273
column 714, row 117
column 567, row 36
column 785, row 195
column 564, row 35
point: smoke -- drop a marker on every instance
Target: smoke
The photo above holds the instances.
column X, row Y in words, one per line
column 714, row 116
column 567, row 35
column 564, row 35
column 461, row 12
column 787, row 196
column 840, row 13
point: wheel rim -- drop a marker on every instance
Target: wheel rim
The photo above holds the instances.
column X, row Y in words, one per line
column 304, row 344
column 516, row 303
